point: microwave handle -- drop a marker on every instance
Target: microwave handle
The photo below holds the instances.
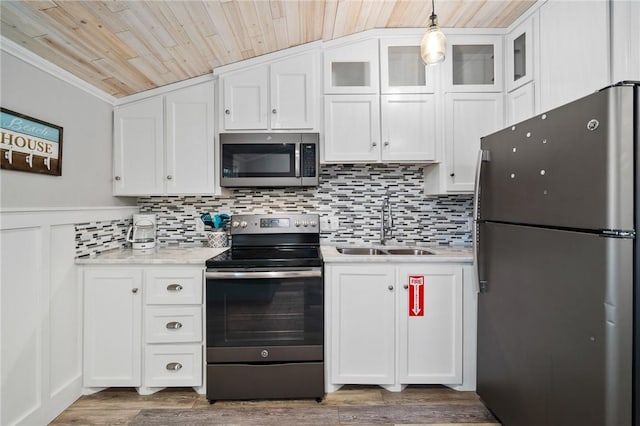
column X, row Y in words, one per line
column 297, row 160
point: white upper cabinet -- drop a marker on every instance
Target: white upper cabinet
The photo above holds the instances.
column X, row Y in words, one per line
column 574, row 50
column 352, row 68
column 473, row 63
column 294, row 93
column 351, row 128
column 165, row 144
column 469, row 116
column 190, row 148
column 245, row 99
column 280, row 95
column 519, row 59
column 408, row 128
column 402, row 69
column 138, row 157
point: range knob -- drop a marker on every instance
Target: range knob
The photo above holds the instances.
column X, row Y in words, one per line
column 297, row 223
column 305, row 223
column 312, row 223
column 243, row 224
column 235, row 224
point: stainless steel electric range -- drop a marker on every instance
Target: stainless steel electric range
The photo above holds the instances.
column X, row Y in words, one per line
column 265, row 312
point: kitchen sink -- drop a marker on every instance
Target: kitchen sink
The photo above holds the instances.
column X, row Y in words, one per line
column 409, row 251
column 360, row 251
column 371, row 251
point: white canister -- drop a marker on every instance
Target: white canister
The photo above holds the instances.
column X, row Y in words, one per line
column 217, row 238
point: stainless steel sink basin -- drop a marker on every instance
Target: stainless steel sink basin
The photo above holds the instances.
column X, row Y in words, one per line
column 372, row 251
column 409, row 252
column 360, row 251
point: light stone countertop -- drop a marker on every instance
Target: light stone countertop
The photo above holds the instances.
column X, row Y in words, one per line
column 155, row 256
column 441, row 254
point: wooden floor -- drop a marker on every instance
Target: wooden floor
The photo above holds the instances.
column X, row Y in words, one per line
column 416, row 405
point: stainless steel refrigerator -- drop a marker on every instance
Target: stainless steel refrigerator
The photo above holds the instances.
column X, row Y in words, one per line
column 558, row 265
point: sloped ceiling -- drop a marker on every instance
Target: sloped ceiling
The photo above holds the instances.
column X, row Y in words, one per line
column 125, row 47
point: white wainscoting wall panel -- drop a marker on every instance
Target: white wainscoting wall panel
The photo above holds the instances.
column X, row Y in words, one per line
column 41, row 311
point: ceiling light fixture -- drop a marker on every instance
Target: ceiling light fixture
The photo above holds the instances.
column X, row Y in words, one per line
column 434, row 43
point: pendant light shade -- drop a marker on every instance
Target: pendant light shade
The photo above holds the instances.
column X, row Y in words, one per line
column 434, row 43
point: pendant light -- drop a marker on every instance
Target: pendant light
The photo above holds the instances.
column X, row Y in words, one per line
column 434, row 43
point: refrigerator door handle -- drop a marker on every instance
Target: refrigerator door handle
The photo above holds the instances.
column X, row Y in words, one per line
column 482, row 156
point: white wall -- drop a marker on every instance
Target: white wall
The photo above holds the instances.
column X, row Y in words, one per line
column 40, row 294
column 86, row 148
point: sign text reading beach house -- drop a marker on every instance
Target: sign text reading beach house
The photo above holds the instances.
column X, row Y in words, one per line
column 29, row 144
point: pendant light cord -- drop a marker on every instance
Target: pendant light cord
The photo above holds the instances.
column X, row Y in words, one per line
column 433, row 7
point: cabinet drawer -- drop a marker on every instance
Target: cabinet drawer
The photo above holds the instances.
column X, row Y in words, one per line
column 173, row 324
column 173, row 365
column 177, row 287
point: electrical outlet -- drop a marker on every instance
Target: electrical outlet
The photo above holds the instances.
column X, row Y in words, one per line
column 329, row 223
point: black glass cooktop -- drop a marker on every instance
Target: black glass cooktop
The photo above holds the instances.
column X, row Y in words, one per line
column 256, row 257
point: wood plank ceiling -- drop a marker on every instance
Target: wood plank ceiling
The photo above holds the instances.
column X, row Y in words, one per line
column 125, row 47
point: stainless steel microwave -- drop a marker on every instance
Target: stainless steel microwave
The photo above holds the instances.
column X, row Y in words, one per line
column 268, row 159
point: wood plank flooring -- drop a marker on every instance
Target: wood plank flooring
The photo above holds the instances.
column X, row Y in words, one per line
column 371, row 405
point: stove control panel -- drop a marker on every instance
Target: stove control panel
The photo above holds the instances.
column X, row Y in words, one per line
column 275, row 223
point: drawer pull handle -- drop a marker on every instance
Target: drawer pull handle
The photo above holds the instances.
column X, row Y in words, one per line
column 174, row 325
column 174, row 287
column 174, row 366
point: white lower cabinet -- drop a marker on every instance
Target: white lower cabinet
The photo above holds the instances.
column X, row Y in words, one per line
column 381, row 332
column 362, row 324
column 143, row 327
column 112, row 327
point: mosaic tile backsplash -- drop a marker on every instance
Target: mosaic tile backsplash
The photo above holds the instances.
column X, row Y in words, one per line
column 97, row 237
column 351, row 193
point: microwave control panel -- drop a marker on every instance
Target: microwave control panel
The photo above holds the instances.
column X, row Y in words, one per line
column 309, row 162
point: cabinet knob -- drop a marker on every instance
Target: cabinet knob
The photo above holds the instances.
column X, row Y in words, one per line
column 386, row 143
column 406, row 286
column 118, row 178
column 390, row 288
column 169, row 177
column 227, row 111
column 274, row 111
column 134, row 290
column 374, row 144
column 452, row 174
column 174, row 325
column 174, row 366
column 174, row 287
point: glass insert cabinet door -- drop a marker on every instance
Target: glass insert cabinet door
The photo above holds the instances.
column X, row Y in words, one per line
column 351, row 68
column 474, row 64
column 402, row 69
column 519, row 61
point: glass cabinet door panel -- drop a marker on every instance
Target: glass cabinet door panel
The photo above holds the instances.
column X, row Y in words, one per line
column 350, row 74
column 519, row 57
column 405, row 66
column 473, row 64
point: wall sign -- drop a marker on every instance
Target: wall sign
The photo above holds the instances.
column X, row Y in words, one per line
column 416, row 295
column 29, row 144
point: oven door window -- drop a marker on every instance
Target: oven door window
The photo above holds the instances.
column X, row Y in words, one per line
column 259, row 160
column 264, row 312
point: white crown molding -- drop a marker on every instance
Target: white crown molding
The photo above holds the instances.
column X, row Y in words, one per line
column 14, row 49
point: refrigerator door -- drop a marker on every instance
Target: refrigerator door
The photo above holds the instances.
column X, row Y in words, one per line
column 555, row 326
column 570, row 167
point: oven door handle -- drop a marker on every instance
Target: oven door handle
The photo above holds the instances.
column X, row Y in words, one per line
column 312, row 273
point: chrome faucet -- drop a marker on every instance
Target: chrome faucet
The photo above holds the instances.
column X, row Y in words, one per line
column 386, row 220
